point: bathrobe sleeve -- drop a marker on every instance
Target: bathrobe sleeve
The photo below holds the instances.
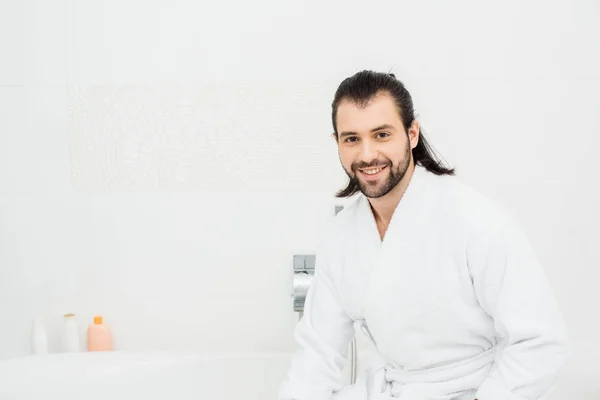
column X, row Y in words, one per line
column 512, row 288
column 323, row 335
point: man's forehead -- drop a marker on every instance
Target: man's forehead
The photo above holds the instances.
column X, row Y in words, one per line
column 378, row 111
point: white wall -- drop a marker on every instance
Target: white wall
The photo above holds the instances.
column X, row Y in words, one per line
column 161, row 161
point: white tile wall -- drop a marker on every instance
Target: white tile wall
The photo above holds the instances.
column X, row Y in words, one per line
column 161, row 162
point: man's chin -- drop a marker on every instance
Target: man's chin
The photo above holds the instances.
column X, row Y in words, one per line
column 372, row 192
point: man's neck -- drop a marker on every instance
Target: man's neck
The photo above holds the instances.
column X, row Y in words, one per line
column 384, row 207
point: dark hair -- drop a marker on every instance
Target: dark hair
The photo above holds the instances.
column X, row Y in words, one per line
column 360, row 88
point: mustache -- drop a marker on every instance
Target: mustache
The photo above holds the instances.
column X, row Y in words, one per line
column 372, row 164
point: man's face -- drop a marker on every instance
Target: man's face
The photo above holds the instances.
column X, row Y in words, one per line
column 373, row 146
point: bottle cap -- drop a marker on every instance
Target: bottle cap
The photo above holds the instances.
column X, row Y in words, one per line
column 98, row 320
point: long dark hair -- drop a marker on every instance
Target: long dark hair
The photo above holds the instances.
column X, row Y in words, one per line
column 360, row 88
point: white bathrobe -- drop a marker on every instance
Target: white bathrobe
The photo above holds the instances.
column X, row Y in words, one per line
column 454, row 300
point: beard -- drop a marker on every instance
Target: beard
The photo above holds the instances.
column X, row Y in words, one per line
column 382, row 186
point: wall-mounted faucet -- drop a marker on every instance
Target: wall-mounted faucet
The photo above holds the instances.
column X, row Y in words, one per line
column 304, row 270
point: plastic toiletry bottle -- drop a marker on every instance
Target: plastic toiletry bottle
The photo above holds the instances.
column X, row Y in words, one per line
column 70, row 334
column 99, row 336
column 39, row 339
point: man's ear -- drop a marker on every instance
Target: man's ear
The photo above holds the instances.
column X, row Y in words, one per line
column 413, row 134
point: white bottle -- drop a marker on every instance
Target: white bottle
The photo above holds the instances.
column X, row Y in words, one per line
column 70, row 334
column 39, row 340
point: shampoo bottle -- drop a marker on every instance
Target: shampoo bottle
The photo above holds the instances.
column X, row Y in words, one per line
column 39, row 340
column 99, row 336
column 70, row 334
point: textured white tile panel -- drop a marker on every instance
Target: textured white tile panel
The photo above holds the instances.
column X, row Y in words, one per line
column 210, row 138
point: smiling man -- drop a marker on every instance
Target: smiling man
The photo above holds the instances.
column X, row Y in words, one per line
column 443, row 283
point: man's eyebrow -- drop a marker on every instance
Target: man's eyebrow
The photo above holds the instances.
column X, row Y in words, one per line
column 384, row 126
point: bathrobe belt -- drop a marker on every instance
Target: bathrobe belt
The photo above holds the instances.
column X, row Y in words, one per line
column 449, row 381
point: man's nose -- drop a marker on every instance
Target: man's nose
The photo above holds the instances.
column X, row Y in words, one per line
column 368, row 151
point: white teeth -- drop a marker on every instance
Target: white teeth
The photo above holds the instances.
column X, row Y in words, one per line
column 372, row 171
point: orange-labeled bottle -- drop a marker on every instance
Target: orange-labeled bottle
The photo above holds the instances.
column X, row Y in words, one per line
column 99, row 336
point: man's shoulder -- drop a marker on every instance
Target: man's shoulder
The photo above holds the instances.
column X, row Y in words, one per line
column 336, row 228
column 347, row 217
column 474, row 207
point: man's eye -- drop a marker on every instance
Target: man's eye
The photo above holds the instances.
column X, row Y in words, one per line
column 383, row 134
column 351, row 139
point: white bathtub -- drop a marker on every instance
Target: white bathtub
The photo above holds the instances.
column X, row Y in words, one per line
column 147, row 376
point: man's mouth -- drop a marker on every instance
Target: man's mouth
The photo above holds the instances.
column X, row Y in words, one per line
column 371, row 173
